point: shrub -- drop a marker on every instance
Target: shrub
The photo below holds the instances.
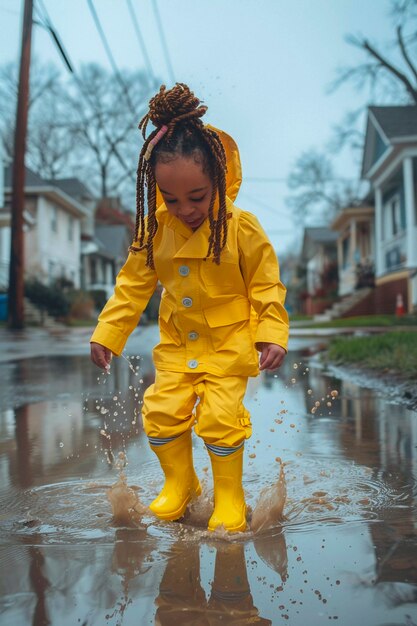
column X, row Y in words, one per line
column 81, row 305
column 99, row 297
column 50, row 299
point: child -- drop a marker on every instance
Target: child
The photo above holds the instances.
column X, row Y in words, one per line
column 222, row 302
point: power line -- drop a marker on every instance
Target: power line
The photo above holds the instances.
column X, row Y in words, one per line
column 163, row 41
column 265, row 206
column 110, row 55
column 46, row 23
column 140, row 39
column 260, row 179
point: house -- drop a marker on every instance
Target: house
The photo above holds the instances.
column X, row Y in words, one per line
column 355, row 246
column 390, row 165
column 105, row 246
column 319, row 258
column 52, row 230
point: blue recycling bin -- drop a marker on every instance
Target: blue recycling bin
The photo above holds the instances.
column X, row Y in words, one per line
column 3, row 306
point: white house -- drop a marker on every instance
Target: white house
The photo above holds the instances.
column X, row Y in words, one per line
column 390, row 164
column 355, row 246
column 52, row 230
column 318, row 257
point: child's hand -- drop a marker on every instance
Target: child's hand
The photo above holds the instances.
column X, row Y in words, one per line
column 272, row 355
column 100, row 355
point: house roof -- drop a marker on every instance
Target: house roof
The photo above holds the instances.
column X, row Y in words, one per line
column 35, row 184
column 396, row 121
column 360, row 213
column 73, row 187
column 31, row 178
column 115, row 239
column 388, row 128
column 316, row 236
column 109, row 211
column 320, row 234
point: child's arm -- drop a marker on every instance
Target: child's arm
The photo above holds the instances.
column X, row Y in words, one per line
column 260, row 270
column 135, row 285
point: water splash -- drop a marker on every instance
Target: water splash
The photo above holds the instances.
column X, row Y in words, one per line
column 269, row 510
column 126, row 507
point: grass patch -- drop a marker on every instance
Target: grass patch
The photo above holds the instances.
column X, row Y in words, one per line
column 74, row 323
column 298, row 317
column 367, row 321
column 396, row 350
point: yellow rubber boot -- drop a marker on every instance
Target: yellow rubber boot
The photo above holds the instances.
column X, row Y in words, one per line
column 229, row 498
column 181, row 482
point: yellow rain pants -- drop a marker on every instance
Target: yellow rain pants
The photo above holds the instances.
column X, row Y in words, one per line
column 219, row 417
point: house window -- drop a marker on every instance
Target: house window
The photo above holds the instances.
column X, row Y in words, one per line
column 93, row 271
column 345, row 248
column 392, row 218
column 70, row 228
column 51, row 271
column 395, row 216
column 54, row 219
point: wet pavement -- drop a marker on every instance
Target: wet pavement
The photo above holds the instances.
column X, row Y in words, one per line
column 339, row 459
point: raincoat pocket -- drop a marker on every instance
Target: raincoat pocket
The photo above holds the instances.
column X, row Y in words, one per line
column 167, row 329
column 229, row 324
column 222, row 275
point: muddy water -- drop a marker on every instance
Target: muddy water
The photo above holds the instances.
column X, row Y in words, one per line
column 330, row 477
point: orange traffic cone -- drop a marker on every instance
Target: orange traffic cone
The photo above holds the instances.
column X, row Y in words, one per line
column 399, row 307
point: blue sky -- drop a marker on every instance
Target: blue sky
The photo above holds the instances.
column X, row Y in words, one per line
column 261, row 66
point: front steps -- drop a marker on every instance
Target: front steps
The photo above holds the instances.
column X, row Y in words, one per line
column 343, row 306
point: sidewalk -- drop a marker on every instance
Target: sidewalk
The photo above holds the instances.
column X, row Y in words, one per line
column 34, row 342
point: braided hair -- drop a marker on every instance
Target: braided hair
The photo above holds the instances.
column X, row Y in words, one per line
column 178, row 112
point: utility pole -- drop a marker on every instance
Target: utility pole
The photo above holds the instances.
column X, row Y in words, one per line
column 16, row 270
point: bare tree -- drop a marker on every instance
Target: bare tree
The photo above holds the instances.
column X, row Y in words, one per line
column 318, row 195
column 103, row 115
column 85, row 126
column 49, row 144
column 389, row 71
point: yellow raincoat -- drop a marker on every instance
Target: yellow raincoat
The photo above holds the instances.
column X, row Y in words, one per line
column 211, row 316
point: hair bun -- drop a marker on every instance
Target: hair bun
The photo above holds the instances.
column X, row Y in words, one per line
column 170, row 106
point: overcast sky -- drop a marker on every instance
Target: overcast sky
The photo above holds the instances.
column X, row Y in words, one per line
column 262, row 66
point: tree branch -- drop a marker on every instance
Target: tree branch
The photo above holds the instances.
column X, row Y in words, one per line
column 405, row 52
column 391, row 68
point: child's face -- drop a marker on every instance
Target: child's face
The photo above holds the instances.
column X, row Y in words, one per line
column 186, row 189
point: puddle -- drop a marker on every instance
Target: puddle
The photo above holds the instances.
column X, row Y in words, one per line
column 331, row 494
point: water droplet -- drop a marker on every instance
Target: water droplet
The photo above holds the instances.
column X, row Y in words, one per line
column 61, row 445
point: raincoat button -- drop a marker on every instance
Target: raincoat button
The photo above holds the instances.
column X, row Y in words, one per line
column 192, row 364
column 184, row 270
column 193, row 336
column 187, row 302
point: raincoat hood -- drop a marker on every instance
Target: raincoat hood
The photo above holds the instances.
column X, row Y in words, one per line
column 234, row 168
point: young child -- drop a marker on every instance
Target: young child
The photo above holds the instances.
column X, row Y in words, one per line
column 222, row 303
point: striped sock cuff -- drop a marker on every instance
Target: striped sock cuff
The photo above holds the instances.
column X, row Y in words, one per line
column 222, row 451
column 159, row 441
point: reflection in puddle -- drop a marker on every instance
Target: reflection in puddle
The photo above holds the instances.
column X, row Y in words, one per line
column 332, row 494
